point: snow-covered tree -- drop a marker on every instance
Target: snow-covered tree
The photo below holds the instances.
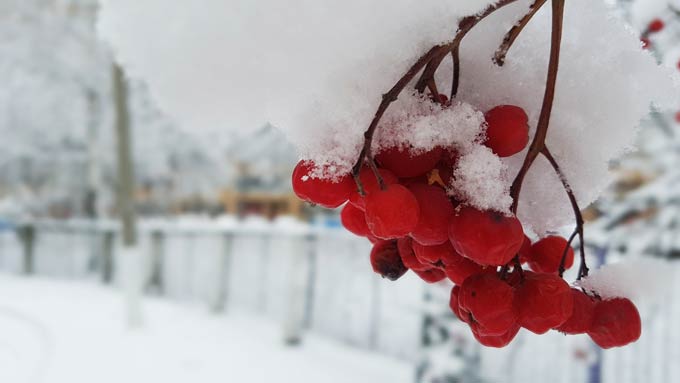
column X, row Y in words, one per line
column 639, row 215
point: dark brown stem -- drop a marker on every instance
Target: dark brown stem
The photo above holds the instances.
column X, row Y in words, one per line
column 583, row 271
column 511, row 36
column 563, row 262
column 455, row 82
column 538, row 144
column 465, row 26
column 428, row 74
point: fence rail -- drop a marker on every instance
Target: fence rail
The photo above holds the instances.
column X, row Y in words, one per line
column 319, row 280
column 307, row 278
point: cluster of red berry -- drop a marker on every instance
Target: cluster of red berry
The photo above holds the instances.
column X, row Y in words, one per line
column 401, row 205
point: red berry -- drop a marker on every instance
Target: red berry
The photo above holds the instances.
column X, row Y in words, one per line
column 404, row 164
column 392, row 213
column 431, row 255
column 678, row 64
column 386, row 260
column 525, row 250
column 546, row 255
column 508, row 130
column 431, row 276
column 320, row 191
column 408, row 256
column 454, row 305
column 488, row 238
column 581, row 318
column 677, row 117
column 435, row 212
column 496, row 341
column 370, row 185
column 656, row 25
column 459, row 268
column 489, row 301
column 354, row 220
column 616, row 323
column 544, row 301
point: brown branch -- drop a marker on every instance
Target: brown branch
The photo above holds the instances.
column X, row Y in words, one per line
column 511, row 36
column 563, row 262
column 583, row 271
column 428, row 74
column 465, row 26
column 538, row 143
column 455, row 82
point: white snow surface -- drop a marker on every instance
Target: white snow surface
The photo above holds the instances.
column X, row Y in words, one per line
column 318, row 69
column 471, row 180
column 639, row 279
column 55, row 332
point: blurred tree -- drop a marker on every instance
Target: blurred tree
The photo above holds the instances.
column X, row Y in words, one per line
column 638, row 216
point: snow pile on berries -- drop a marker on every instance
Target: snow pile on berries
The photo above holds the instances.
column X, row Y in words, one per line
column 641, row 279
column 471, row 180
column 318, row 70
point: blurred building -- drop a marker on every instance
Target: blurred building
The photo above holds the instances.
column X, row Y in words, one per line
column 263, row 162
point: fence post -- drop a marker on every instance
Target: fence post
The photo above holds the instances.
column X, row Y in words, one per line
column 219, row 302
column 298, row 290
column 157, row 257
column 26, row 233
column 107, row 257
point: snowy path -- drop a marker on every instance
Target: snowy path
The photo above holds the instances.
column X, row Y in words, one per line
column 67, row 332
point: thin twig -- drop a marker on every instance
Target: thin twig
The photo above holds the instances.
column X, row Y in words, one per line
column 511, row 36
column 538, row 144
column 563, row 262
column 583, row 271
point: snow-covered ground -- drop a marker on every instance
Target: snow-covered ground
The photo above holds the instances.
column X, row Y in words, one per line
column 71, row 332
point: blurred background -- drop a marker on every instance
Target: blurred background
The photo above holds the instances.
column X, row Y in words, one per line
column 132, row 250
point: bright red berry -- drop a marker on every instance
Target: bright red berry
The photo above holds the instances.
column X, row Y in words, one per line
column 496, row 341
column 432, row 255
column 392, row 213
column 525, row 250
column 405, row 164
column 656, row 25
column 354, row 220
column 544, row 301
column 431, row 276
column 581, row 318
column 435, row 212
column 370, row 184
column 453, row 304
column 489, row 301
column 508, row 130
column 320, row 191
column 546, row 255
column 616, row 323
column 408, row 256
column 677, row 117
column 459, row 268
column 386, row 260
column 486, row 237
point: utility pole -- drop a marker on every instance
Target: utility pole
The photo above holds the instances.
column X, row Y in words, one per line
column 130, row 258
